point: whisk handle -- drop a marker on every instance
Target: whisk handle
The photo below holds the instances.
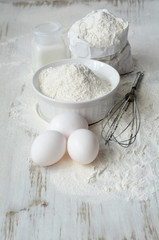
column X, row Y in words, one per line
column 138, row 80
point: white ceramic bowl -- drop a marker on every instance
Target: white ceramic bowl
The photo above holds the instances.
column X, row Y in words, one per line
column 93, row 110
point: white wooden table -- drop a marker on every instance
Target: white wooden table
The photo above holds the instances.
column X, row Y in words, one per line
column 32, row 204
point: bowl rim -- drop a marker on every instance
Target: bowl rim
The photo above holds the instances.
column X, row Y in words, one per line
column 71, row 60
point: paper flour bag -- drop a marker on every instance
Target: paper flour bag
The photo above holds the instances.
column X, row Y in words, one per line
column 103, row 37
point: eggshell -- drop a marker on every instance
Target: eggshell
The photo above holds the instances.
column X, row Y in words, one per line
column 68, row 122
column 83, row 146
column 48, row 148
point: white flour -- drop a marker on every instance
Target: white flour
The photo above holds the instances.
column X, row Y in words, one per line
column 131, row 173
column 104, row 37
column 74, row 82
column 99, row 28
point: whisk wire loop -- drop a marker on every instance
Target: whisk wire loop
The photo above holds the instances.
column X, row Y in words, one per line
column 124, row 134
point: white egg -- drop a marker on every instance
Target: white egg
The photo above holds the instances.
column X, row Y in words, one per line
column 48, row 148
column 68, row 122
column 83, row 146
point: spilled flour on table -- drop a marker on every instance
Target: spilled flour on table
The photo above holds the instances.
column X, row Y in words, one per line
column 131, row 173
column 25, row 109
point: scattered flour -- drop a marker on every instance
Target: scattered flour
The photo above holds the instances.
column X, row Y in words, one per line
column 128, row 173
column 99, row 28
column 72, row 82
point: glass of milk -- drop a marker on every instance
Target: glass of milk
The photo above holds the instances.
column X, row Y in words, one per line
column 47, row 44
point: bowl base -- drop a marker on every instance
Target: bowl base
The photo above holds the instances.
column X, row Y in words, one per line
column 38, row 111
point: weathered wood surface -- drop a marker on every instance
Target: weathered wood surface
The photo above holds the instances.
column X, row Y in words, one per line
column 31, row 207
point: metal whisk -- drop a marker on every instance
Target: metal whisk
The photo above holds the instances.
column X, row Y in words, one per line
column 123, row 132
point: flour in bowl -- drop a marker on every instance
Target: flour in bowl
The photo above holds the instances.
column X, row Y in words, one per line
column 72, row 82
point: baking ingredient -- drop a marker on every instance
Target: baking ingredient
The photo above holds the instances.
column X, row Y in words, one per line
column 68, row 122
column 48, row 148
column 72, row 82
column 100, row 28
column 104, row 37
column 47, row 45
column 44, row 54
column 83, row 146
column 128, row 174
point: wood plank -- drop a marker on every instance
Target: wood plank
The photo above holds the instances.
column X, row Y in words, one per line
column 32, row 205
